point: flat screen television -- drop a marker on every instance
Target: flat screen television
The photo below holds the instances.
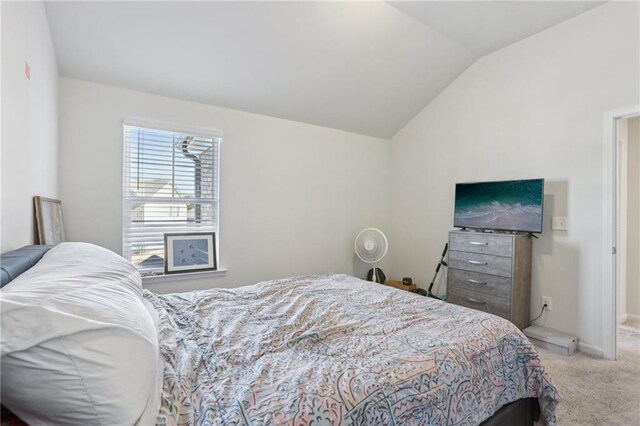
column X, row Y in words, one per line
column 513, row 205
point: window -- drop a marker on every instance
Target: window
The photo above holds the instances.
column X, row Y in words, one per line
column 170, row 185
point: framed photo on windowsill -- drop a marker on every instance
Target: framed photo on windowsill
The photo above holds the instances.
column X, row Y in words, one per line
column 190, row 252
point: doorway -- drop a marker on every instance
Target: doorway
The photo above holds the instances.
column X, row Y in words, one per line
column 628, row 224
column 621, row 202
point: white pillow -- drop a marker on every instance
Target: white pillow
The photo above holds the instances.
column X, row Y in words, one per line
column 150, row 413
column 78, row 345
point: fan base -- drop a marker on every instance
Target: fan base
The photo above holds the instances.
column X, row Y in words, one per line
column 381, row 277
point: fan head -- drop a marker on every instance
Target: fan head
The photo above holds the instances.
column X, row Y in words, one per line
column 371, row 245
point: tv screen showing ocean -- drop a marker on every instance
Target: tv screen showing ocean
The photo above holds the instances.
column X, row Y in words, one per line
column 510, row 205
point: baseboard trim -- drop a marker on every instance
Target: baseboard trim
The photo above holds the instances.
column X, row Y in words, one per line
column 589, row 350
column 632, row 317
column 623, row 318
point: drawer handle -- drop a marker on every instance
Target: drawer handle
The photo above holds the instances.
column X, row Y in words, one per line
column 477, row 282
column 478, row 243
column 479, row 302
column 477, row 262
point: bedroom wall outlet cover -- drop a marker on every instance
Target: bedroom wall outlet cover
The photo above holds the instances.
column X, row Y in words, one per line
column 559, row 223
column 547, row 300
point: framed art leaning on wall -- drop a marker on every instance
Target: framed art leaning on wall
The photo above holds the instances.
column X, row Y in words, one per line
column 49, row 220
column 190, row 252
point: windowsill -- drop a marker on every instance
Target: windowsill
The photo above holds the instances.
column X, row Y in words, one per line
column 151, row 279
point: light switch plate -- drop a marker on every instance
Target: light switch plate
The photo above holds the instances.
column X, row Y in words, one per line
column 559, row 223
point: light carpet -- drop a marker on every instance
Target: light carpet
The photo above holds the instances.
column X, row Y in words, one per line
column 596, row 391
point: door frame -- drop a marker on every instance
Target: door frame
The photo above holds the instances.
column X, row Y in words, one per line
column 610, row 214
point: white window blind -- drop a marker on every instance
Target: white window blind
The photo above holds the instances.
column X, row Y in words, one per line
column 170, row 186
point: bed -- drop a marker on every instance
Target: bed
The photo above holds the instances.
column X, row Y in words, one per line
column 328, row 349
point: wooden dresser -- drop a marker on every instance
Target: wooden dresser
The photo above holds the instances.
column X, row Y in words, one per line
column 491, row 272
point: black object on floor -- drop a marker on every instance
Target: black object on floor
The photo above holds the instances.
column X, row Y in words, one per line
column 376, row 275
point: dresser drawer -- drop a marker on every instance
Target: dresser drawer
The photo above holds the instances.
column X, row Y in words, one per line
column 481, row 243
column 483, row 263
column 480, row 301
column 482, row 283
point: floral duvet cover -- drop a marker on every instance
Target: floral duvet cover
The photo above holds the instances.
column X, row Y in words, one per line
column 333, row 349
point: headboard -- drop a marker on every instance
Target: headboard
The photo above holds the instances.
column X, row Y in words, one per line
column 14, row 263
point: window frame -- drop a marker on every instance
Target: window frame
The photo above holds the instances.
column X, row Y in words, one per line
column 126, row 190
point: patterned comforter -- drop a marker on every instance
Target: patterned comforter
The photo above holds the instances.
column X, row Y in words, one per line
column 333, row 349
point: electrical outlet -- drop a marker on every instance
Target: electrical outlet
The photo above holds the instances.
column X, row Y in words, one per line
column 559, row 223
column 547, row 300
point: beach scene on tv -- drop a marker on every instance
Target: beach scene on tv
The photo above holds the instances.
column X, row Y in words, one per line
column 510, row 205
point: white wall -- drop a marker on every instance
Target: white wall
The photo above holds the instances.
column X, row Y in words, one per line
column 29, row 120
column 632, row 287
column 293, row 195
column 533, row 109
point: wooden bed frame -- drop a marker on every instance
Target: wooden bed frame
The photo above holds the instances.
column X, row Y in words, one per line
column 523, row 412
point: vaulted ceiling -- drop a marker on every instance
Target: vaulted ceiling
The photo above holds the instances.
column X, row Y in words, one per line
column 365, row 67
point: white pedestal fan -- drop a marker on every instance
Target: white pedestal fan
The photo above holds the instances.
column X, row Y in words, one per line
column 371, row 245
